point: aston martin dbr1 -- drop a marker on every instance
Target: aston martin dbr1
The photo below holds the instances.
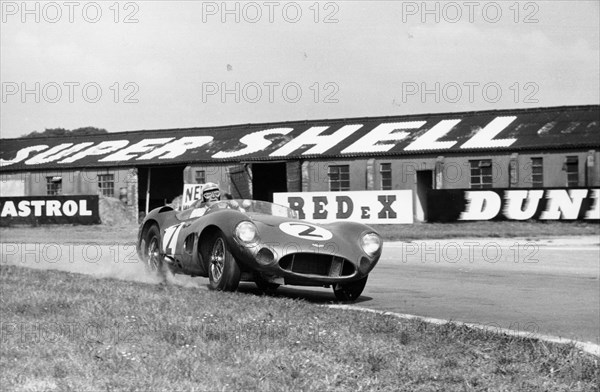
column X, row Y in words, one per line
column 244, row 240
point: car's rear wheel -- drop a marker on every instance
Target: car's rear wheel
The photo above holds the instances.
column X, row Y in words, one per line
column 153, row 259
column 223, row 271
column 350, row 291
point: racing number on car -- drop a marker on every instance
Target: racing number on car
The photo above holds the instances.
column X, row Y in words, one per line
column 170, row 238
column 305, row 231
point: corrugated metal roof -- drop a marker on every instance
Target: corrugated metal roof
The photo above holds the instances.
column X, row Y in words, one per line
column 440, row 133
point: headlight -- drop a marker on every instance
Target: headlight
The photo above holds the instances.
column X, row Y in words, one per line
column 247, row 233
column 371, row 243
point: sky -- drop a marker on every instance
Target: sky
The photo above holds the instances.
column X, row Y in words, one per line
column 135, row 65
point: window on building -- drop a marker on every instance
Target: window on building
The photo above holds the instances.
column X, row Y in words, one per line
column 537, row 172
column 481, row 173
column 200, row 177
column 339, row 178
column 54, row 185
column 572, row 169
column 106, row 185
column 386, row 176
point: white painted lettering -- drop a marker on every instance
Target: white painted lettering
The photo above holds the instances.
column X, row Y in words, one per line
column 513, row 209
column 594, row 211
column 481, row 205
column 54, row 154
column 177, row 147
column 8, row 209
column 254, row 142
column 100, row 149
column 563, row 205
column 313, row 137
column 83, row 210
column 24, row 209
column 37, row 206
column 69, row 208
column 429, row 140
column 53, row 208
column 22, row 154
column 371, row 142
column 139, row 147
column 485, row 137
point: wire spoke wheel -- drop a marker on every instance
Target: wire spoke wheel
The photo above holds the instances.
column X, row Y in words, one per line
column 217, row 259
column 223, row 271
column 153, row 255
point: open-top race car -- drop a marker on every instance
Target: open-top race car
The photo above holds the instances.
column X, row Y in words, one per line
column 246, row 240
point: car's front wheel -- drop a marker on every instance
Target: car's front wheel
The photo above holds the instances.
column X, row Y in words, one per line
column 350, row 291
column 223, row 270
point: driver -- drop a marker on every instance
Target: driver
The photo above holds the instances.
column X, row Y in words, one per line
column 210, row 193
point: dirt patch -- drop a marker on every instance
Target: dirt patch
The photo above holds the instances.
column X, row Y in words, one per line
column 114, row 212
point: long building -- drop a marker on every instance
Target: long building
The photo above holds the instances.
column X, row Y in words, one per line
column 542, row 148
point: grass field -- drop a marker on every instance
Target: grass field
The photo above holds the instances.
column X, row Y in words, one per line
column 69, row 332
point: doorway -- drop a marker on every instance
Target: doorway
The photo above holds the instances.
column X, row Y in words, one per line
column 268, row 178
column 166, row 183
column 424, row 185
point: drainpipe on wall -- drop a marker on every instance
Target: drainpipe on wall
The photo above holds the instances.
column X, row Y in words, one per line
column 513, row 171
column 439, row 173
column 148, row 191
column 589, row 170
column 305, row 177
column 370, row 174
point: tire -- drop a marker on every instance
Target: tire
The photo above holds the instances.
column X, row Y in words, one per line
column 223, row 271
column 152, row 257
column 350, row 292
column 264, row 285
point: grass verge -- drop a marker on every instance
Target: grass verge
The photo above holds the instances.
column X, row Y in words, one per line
column 63, row 331
column 103, row 234
column 500, row 229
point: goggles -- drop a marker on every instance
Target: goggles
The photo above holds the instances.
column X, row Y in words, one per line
column 211, row 194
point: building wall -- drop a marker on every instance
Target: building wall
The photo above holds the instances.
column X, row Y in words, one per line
column 365, row 173
column 73, row 182
column 212, row 173
column 449, row 172
column 456, row 171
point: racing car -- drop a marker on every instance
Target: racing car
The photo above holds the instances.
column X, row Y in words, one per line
column 237, row 240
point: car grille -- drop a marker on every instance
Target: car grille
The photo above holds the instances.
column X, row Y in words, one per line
column 317, row 264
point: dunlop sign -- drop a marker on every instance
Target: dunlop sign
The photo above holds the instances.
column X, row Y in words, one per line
column 379, row 207
column 513, row 204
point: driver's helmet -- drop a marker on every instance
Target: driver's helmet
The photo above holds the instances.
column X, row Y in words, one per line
column 211, row 192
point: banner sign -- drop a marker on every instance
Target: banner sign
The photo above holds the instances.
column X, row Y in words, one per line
column 191, row 193
column 403, row 135
column 368, row 207
column 44, row 210
column 453, row 205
